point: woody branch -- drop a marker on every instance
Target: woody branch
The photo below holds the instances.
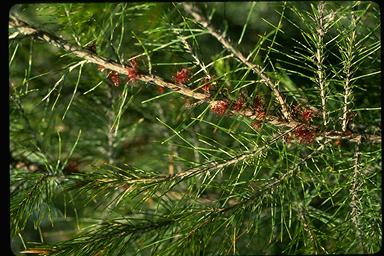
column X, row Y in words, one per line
column 26, row 29
column 240, row 57
column 29, row 30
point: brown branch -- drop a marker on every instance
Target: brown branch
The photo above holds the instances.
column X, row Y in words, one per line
column 352, row 137
column 240, row 57
column 85, row 54
column 29, row 30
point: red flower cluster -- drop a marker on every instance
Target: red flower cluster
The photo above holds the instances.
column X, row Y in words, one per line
column 219, row 107
column 132, row 70
column 207, row 85
column 305, row 134
column 307, row 115
column 114, row 76
column 260, row 113
column 338, row 142
column 181, row 76
column 303, row 115
column 256, row 124
column 238, row 104
column 160, row 89
column 259, row 108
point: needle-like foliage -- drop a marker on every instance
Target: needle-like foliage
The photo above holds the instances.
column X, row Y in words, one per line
column 195, row 129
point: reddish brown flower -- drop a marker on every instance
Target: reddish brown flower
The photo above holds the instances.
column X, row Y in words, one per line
column 160, row 89
column 219, row 107
column 305, row 134
column 114, row 76
column 206, row 87
column 258, row 107
column 132, row 70
column 132, row 74
column 256, row 124
column 238, row 104
column 260, row 113
column 181, row 76
column 338, row 142
column 307, row 115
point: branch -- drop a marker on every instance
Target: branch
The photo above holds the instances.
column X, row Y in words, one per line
column 319, row 58
column 348, row 73
column 307, row 227
column 215, row 165
column 351, row 137
column 356, row 185
column 29, row 30
column 85, row 54
column 240, row 57
column 194, row 56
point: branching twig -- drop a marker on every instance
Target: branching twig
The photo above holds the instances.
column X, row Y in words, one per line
column 240, row 57
column 308, row 229
column 27, row 29
column 353, row 137
column 356, row 184
column 319, row 58
column 348, row 73
column 194, row 56
column 215, row 165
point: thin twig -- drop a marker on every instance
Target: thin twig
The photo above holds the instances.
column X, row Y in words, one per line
column 348, row 73
column 308, row 229
column 319, row 58
column 215, row 165
column 194, row 56
column 111, row 135
column 353, row 137
column 356, row 184
column 212, row 165
column 240, row 57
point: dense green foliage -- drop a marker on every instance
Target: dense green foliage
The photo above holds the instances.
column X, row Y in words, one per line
column 137, row 169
